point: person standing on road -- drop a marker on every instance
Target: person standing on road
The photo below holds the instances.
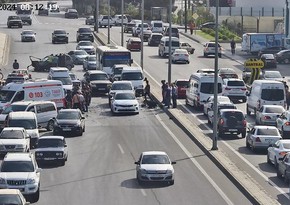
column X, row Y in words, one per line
column 233, row 47
column 147, row 90
column 287, row 96
column 174, row 95
column 168, row 94
column 15, row 64
column 163, row 87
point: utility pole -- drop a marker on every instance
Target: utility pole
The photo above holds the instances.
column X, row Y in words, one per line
column 109, row 18
column 185, row 15
column 142, row 33
column 170, row 42
column 96, row 28
column 122, row 23
column 286, row 21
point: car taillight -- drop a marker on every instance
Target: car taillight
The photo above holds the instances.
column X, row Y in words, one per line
column 222, row 121
column 186, row 55
column 267, row 117
column 287, row 123
column 282, row 154
column 176, row 54
column 243, row 88
column 227, row 88
column 244, row 123
column 258, row 139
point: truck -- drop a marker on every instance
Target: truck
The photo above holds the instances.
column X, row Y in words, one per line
column 254, row 42
column 24, row 11
column 103, row 21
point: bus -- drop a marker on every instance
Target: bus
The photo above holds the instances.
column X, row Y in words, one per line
column 108, row 56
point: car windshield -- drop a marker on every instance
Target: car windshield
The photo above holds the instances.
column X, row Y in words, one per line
column 73, row 76
column 10, row 199
column 43, row 143
column 80, row 52
column 92, row 58
column 208, row 88
column 64, row 80
column 268, row 56
column 68, row 116
column 231, row 114
column 98, row 76
column 17, row 166
column 125, row 96
column 25, row 123
column 156, row 37
column 273, row 75
column 11, row 134
column 268, row 132
column 59, row 32
column 236, row 83
column 14, row 108
column 155, row 159
column 6, row 95
column 274, row 109
column 132, row 76
column 123, row 86
column 27, row 32
column 272, row 94
column 173, row 43
column 86, row 43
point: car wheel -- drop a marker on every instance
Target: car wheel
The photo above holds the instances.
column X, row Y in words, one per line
column 248, row 111
column 279, row 175
column 257, row 121
column 204, row 55
column 220, row 55
column 275, row 162
column 244, row 99
column 35, row 196
column 248, row 144
column 253, row 148
column 192, row 51
column 49, row 126
column 62, row 163
column 286, row 60
column 268, row 159
column 208, row 121
column 171, row 182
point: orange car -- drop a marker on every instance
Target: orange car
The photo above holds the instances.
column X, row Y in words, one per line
column 134, row 44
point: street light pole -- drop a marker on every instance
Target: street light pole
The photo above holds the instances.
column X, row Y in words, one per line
column 109, row 18
column 214, row 140
column 96, row 28
column 122, row 23
column 185, row 16
column 170, row 34
column 142, row 37
column 287, row 20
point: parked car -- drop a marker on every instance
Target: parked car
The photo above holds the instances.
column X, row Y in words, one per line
column 90, row 63
column 260, row 137
column 28, row 36
column 278, row 150
column 125, row 102
column 154, row 39
column 71, row 13
column 283, row 168
column 69, row 121
column 271, row 50
column 269, row 60
column 51, row 149
column 90, row 20
column 87, row 46
column 209, row 49
column 267, row 114
column 227, row 73
column 187, row 46
column 154, row 166
column 283, row 56
column 78, row 56
column 181, row 87
column 59, row 35
column 134, row 44
column 232, row 121
column 235, row 89
column 180, row 55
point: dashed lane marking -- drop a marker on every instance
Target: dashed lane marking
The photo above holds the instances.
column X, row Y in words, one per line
column 121, row 149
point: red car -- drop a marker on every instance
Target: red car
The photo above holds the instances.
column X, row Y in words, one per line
column 134, row 44
column 181, row 87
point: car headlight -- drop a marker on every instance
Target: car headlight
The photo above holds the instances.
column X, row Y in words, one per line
column 143, row 171
column 20, row 146
column 39, row 154
column 2, row 181
column 169, row 171
column 30, row 181
column 58, row 154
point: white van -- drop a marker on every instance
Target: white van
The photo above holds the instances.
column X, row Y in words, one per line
column 265, row 92
column 28, row 121
column 62, row 74
column 38, row 90
column 135, row 75
column 157, row 26
column 200, row 88
column 44, row 110
column 163, row 49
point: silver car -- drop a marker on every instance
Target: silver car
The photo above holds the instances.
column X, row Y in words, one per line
column 262, row 136
column 87, row 46
column 267, row 114
column 90, row 63
column 154, row 166
column 277, row 151
column 28, row 36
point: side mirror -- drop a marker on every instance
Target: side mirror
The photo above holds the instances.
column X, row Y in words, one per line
column 137, row 163
column 173, row 162
column 83, row 117
column 38, row 170
column 65, row 145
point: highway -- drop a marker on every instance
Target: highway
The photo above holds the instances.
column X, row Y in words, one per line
column 100, row 167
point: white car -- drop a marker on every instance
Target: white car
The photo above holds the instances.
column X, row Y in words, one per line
column 277, row 151
column 220, row 106
column 267, row 114
column 180, row 55
column 209, row 49
column 28, row 36
column 146, row 34
column 209, row 102
column 154, row 166
column 235, row 89
column 14, row 139
column 283, row 124
column 90, row 63
column 20, row 171
column 9, row 195
column 137, row 29
column 51, row 149
column 120, row 86
column 272, row 75
column 87, row 46
column 125, row 102
column 261, row 137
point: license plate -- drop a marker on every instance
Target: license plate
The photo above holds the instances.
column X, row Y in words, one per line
column 48, row 158
column 101, row 88
column 66, row 129
column 182, row 88
column 233, row 130
column 268, row 140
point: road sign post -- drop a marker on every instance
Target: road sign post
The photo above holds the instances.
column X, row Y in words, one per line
column 255, row 65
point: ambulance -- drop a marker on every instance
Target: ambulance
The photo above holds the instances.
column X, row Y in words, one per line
column 37, row 90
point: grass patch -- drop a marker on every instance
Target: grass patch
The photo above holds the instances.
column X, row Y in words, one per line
column 205, row 35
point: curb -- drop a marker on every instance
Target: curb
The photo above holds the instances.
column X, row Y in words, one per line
column 4, row 46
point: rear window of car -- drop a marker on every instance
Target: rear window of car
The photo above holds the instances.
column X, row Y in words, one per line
column 238, row 115
column 212, row 45
column 272, row 94
column 157, row 25
column 156, row 37
column 84, row 30
column 173, row 43
column 181, row 83
column 236, row 83
column 268, row 132
column 274, row 110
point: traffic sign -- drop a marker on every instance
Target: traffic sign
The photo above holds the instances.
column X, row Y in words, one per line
column 195, row 16
column 253, row 63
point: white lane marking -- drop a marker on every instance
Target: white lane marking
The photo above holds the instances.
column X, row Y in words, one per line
column 121, row 149
column 216, row 187
column 143, row 192
column 257, row 170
